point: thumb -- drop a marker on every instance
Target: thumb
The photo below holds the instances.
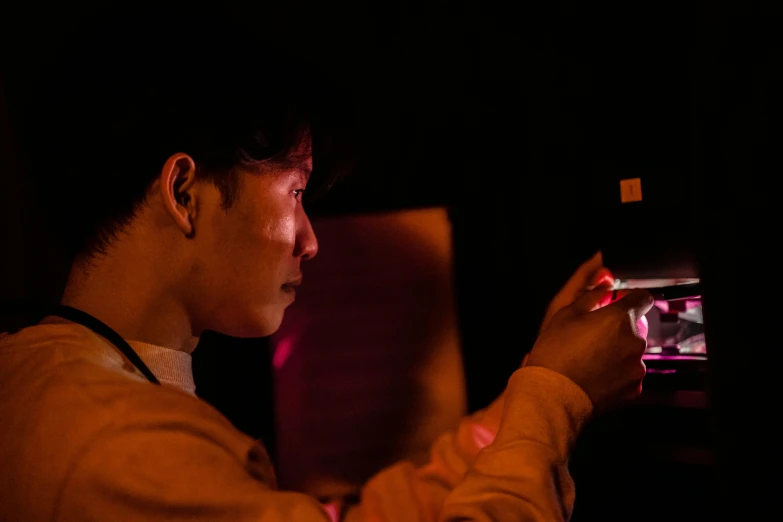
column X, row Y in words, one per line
column 637, row 301
column 596, row 298
column 589, row 274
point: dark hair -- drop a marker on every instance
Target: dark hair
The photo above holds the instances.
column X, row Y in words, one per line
column 130, row 91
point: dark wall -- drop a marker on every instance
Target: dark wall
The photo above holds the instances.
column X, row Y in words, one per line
column 740, row 139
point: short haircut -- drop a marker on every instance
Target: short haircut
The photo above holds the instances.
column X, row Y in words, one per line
column 130, row 91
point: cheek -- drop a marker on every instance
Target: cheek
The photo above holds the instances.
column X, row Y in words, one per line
column 274, row 243
column 268, row 250
column 264, row 223
column 282, row 231
column 252, row 244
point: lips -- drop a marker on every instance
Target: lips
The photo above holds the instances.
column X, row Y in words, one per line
column 290, row 287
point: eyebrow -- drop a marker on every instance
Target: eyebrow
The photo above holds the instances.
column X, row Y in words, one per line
column 305, row 167
column 303, row 171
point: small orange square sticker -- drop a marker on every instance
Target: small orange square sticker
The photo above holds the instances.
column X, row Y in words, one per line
column 630, row 190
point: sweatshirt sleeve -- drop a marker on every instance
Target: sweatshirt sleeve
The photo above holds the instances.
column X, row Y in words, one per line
column 508, row 462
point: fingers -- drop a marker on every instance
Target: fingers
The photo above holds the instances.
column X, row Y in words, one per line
column 594, row 263
column 584, row 274
column 637, row 301
column 602, row 276
column 590, row 274
column 595, row 298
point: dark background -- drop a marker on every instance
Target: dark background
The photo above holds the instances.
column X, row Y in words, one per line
column 522, row 126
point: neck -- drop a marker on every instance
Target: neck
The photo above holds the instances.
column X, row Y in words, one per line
column 122, row 289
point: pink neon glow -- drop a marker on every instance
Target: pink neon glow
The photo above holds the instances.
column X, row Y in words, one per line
column 482, row 436
column 664, row 371
column 333, row 510
column 662, row 305
column 283, row 350
column 661, row 357
column 643, row 326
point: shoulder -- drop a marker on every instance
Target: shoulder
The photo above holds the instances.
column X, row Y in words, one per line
column 65, row 386
column 61, row 394
column 69, row 372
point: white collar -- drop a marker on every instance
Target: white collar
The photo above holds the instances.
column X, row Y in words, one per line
column 173, row 368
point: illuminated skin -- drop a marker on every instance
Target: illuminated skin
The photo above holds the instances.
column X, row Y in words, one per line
column 184, row 264
column 589, row 275
column 247, row 261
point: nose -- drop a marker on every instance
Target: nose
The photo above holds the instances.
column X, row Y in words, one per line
column 306, row 242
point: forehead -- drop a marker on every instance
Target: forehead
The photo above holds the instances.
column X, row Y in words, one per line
column 296, row 166
column 307, row 165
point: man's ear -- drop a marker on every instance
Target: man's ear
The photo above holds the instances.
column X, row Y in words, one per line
column 177, row 179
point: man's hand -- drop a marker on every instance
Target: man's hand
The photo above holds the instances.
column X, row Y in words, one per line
column 592, row 273
column 599, row 348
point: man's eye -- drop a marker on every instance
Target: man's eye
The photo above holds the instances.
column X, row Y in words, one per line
column 298, row 193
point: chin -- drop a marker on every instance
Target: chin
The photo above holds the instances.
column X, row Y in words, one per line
column 253, row 325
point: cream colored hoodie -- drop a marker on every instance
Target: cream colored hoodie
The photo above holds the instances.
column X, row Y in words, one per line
column 84, row 436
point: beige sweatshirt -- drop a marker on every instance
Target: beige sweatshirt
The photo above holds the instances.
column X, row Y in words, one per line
column 84, row 436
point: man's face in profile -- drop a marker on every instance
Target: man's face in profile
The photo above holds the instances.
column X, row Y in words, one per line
column 249, row 256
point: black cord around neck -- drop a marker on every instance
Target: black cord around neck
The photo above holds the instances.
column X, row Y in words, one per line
column 105, row 331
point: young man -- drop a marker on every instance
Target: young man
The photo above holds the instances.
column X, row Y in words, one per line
column 178, row 176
